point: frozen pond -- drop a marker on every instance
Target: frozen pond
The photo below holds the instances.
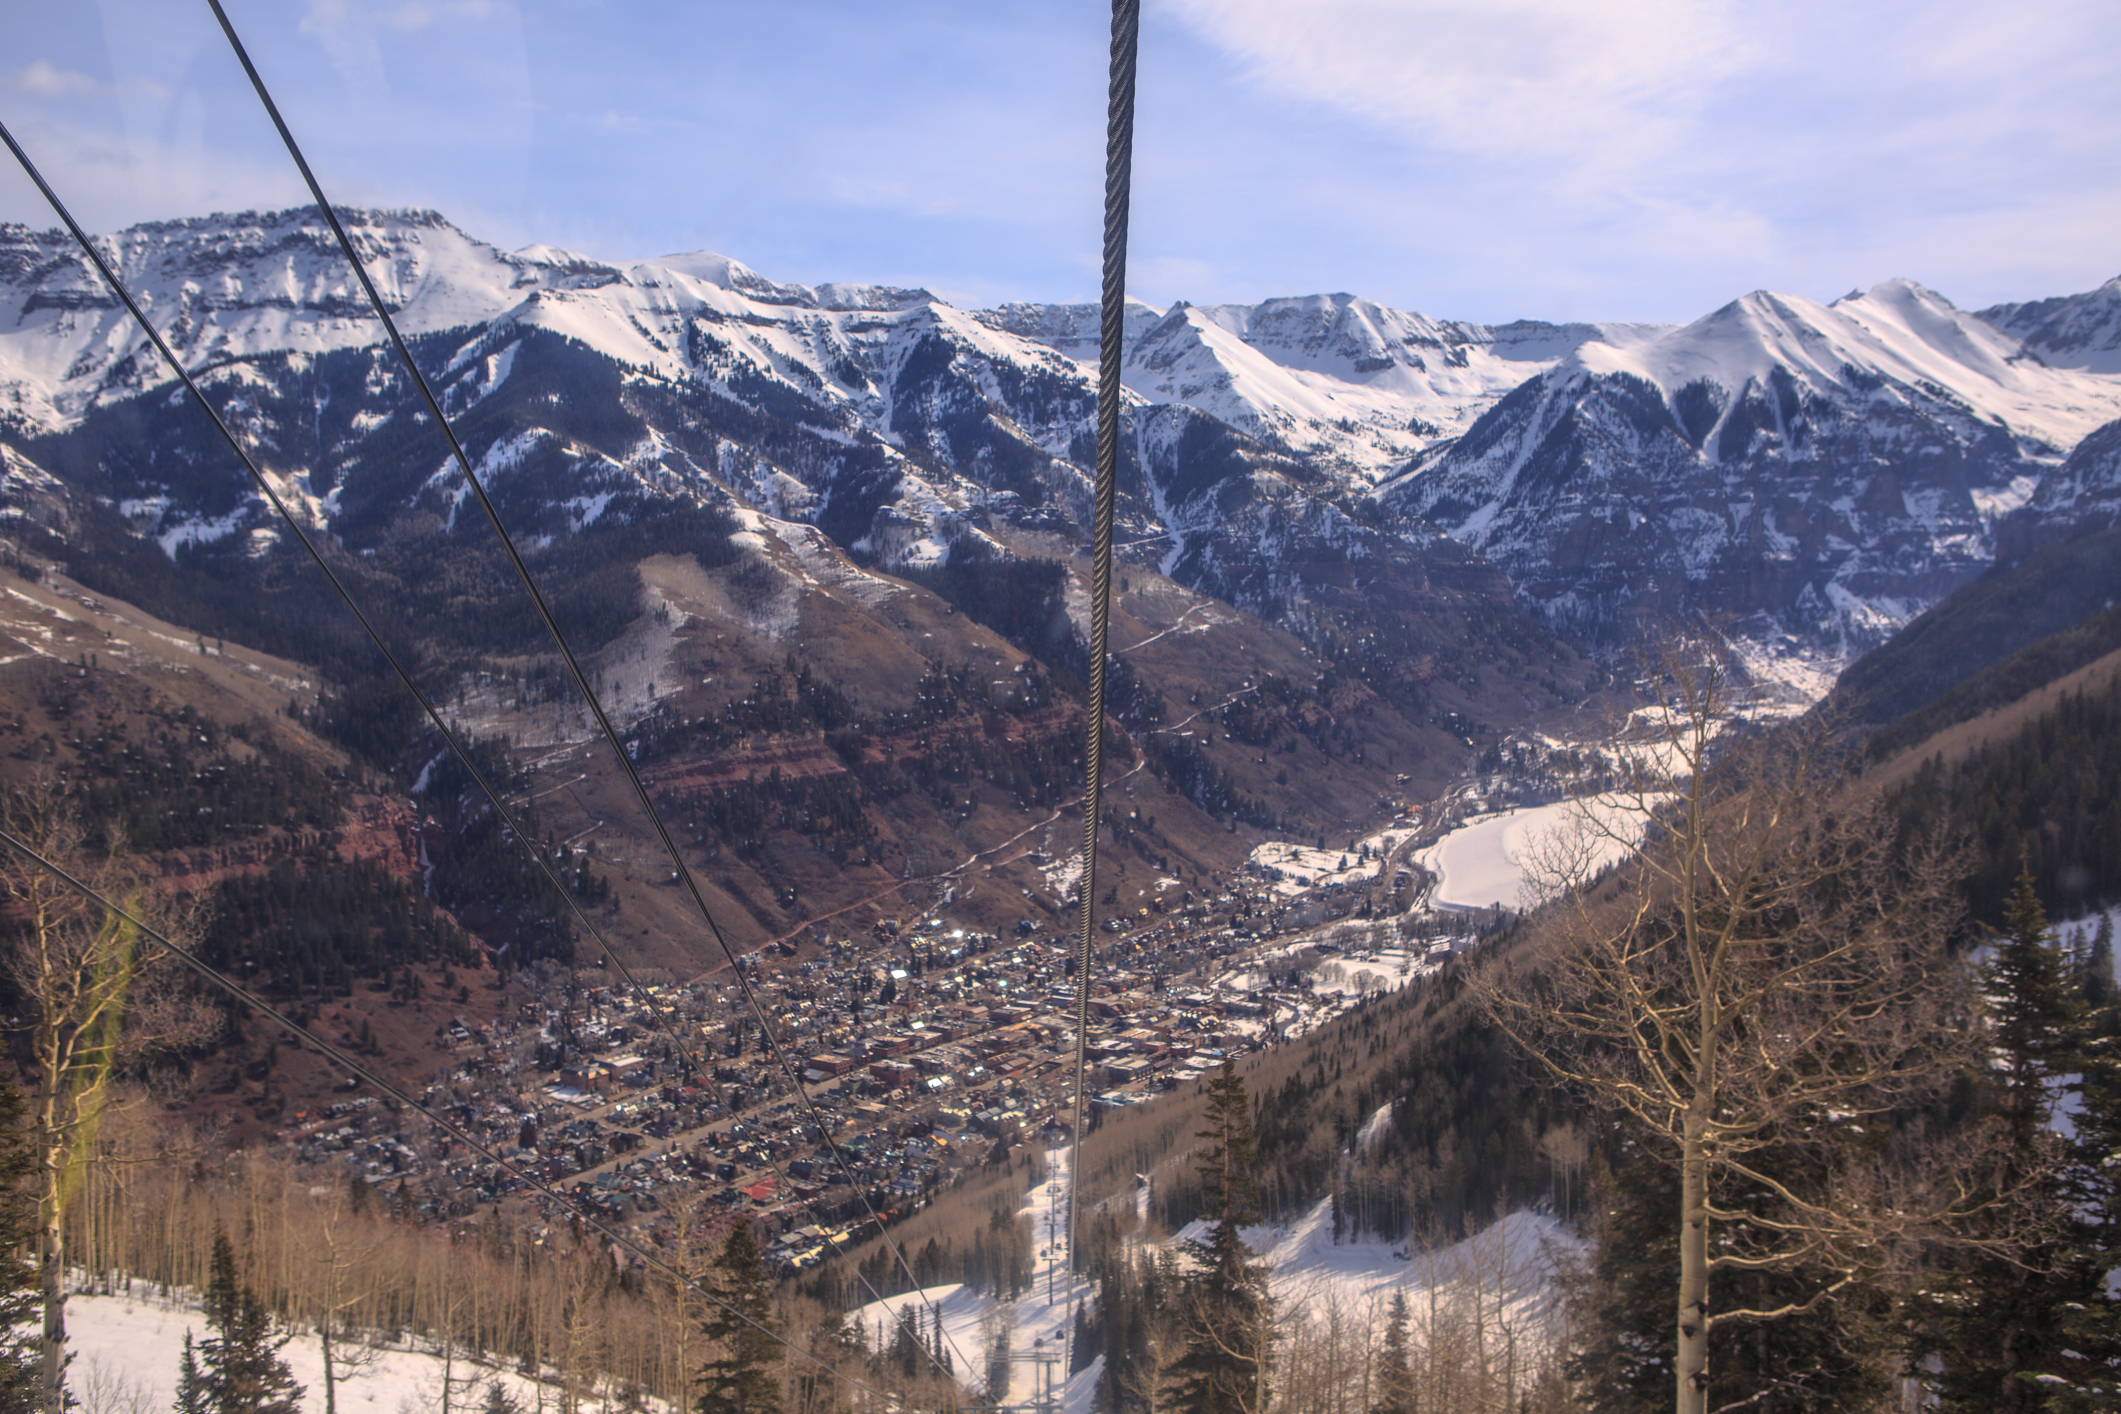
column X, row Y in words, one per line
column 1487, row 861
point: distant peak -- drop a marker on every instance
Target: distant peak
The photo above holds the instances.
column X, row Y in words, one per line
column 1896, row 289
column 542, row 254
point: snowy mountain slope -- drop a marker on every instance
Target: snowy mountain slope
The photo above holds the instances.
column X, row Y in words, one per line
column 2080, row 497
column 592, row 395
column 2069, row 331
column 1819, row 470
column 1341, row 380
column 231, row 287
column 1831, row 468
column 1501, row 1279
column 238, row 294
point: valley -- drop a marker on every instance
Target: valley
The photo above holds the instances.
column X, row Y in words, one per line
column 1387, row 612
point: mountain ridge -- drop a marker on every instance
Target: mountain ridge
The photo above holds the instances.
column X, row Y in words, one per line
column 1806, row 472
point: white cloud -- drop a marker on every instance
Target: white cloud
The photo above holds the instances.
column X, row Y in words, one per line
column 47, row 80
column 1612, row 81
column 1692, row 149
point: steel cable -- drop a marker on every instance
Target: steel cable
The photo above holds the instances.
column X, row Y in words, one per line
column 523, row 837
column 574, row 667
column 1119, row 167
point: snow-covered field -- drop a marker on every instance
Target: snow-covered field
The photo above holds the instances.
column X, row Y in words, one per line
column 127, row 1347
column 1506, row 1266
column 1038, row 1321
column 1503, row 1273
column 126, row 1350
column 1303, row 868
column 1498, row 859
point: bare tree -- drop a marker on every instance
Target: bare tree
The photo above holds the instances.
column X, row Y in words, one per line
column 88, row 979
column 338, row 1248
column 103, row 1389
column 1770, row 965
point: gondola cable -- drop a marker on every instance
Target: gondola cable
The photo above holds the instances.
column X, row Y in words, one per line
column 574, row 667
column 1119, row 168
column 523, row 837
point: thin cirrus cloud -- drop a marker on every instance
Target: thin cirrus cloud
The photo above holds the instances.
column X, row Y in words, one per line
column 1609, row 84
column 1657, row 156
column 47, row 80
column 1478, row 159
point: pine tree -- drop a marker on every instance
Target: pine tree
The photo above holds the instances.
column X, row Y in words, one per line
column 248, row 1375
column 1994, row 1325
column 905, row 1351
column 193, row 1396
column 1224, row 1367
column 223, row 1288
column 2087, row 1376
column 1079, row 1341
column 238, row 1368
column 1395, row 1376
column 2099, row 965
column 744, row 1378
column 19, row 1296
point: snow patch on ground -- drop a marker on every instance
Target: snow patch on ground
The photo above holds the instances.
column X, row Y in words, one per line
column 1373, row 1127
column 130, row 1344
column 1041, row 1314
column 1303, row 868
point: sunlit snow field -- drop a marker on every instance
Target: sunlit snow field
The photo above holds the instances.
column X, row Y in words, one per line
column 1495, row 859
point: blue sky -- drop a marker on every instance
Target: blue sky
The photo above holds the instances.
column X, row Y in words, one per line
column 1484, row 159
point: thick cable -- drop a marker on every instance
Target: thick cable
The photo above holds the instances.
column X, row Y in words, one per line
column 523, row 837
column 216, row 978
column 567, row 655
column 286, row 514
column 1119, row 169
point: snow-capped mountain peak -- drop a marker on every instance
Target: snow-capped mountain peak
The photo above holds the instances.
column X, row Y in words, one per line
column 1895, row 333
column 1824, row 470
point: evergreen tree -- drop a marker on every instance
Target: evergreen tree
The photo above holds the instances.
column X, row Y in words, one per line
column 2099, row 965
column 247, row 1374
column 223, row 1288
column 1223, row 1369
column 193, row 1396
column 1395, row 1376
column 1079, row 1356
column 905, row 1351
column 19, row 1298
column 745, row 1377
column 2087, row 1376
column 238, row 1368
column 1995, row 1326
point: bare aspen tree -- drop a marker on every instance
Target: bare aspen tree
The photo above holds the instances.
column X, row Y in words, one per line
column 86, row 979
column 1770, row 965
column 337, row 1250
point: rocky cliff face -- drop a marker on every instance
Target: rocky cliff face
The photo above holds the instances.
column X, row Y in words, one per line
column 2078, row 498
column 2080, row 331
